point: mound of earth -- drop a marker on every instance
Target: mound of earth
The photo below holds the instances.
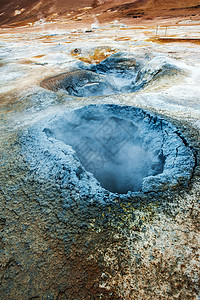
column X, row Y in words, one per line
column 119, row 73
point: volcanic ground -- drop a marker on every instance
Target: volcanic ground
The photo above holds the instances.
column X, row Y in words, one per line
column 100, row 173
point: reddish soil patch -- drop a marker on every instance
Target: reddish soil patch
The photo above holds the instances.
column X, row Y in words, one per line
column 95, row 57
column 23, row 12
column 163, row 40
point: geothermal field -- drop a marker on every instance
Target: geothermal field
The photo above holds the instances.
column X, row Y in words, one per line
column 100, row 141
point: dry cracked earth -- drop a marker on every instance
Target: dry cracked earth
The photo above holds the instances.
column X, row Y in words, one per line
column 83, row 112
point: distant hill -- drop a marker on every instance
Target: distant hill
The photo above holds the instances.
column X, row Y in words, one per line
column 21, row 12
column 25, row 11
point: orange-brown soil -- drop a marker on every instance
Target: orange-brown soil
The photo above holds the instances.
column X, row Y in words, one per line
column 96, row 57
column 163, row 40
column 23, row 12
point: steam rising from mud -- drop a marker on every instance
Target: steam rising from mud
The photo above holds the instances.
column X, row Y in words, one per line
column 119, row 73
column 119, row 148
column 111, row 148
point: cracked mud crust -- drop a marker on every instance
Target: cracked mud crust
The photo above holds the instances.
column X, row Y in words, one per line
column 53, row 249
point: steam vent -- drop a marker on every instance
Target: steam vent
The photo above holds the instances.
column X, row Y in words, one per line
column 119, row 73
column 112, row 149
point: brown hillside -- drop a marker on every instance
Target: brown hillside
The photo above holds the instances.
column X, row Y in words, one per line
column 20, row 12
